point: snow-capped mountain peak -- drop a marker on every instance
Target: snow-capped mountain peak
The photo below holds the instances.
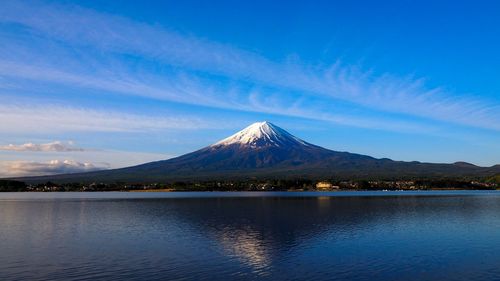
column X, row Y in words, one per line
column 262, row 134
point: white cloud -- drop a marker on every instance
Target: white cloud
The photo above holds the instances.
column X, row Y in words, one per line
column 117, row 35
column 99, row 158
column 27, row 168
column 43, row 147
column 48, row 118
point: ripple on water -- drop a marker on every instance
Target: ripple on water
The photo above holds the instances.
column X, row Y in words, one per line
column 291, row 237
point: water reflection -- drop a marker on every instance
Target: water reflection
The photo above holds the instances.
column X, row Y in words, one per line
column 323, row 238
column 247, row 246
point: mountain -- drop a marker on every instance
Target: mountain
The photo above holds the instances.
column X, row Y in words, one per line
column 264, row 150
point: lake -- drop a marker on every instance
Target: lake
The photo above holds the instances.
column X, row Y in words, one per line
column 421, row 235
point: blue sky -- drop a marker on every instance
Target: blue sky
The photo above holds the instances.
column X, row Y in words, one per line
column 102, row 84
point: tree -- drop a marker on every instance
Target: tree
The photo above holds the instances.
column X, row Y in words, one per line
column 11, row 185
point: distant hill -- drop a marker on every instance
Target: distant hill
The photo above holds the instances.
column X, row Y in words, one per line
column 265, row 151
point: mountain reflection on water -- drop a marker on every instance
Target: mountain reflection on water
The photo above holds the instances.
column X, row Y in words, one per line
column 292, row 237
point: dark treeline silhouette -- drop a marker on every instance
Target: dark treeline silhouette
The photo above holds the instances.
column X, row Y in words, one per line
column 11, row 185
column 258, row 185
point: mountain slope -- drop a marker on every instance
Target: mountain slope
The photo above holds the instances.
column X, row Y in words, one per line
column 263, row 150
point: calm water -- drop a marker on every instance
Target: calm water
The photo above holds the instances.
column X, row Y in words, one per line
column 271, row 236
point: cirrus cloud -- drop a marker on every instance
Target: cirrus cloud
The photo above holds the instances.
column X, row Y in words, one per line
column 56, row 118
column 66, row 30
column 56, row 146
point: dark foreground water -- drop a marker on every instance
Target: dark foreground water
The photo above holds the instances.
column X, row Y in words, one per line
column 272, row 236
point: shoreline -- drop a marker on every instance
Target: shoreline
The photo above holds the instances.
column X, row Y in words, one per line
column 262, row 191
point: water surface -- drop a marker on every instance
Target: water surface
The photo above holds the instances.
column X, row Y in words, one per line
column 272, row 236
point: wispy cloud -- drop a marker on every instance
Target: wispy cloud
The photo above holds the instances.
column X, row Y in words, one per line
column 56, row 146
column 75, row 26
column 25, row 168
column 50, row 118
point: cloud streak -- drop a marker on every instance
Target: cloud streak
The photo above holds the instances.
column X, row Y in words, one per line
column 57, row 118
column 27, row 168
column 56, row 146
column 75, row 27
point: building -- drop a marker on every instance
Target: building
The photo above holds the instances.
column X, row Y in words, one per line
column 324, row 185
